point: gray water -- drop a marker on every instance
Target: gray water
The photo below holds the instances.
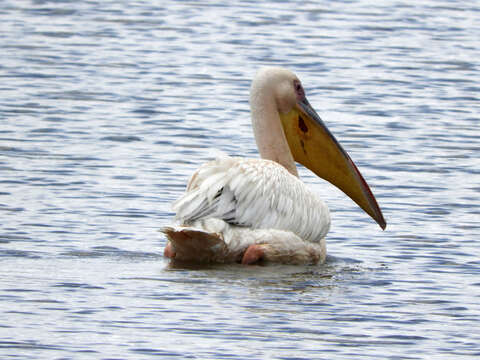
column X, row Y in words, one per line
column 106, row 108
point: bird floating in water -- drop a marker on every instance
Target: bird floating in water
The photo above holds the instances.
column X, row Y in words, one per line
column 248, row 210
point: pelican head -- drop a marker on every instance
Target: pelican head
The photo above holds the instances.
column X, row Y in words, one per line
column 288, row 129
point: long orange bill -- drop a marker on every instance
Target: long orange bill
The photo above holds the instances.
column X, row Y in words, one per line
column 314, row 146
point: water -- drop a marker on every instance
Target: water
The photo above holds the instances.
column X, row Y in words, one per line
column 107, row 107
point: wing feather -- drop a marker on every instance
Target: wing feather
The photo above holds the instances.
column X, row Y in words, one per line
column 257, row 193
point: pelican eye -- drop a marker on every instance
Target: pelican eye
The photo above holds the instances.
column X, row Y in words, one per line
column 298, row 89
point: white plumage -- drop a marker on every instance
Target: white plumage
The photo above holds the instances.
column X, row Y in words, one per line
column 237, row 209
column 237, row 202
column 254, row 193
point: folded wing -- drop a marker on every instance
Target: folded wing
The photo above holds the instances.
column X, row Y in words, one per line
column 254, row 193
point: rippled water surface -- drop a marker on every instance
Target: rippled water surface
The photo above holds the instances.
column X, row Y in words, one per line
column 106, row 107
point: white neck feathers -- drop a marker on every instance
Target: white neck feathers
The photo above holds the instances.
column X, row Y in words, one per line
column 267, row 127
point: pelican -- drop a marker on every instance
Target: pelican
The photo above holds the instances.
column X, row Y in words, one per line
column 250, row 210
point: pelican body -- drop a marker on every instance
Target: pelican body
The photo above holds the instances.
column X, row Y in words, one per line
column 247, row 210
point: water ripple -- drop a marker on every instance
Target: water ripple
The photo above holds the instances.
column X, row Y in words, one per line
column 107, row 108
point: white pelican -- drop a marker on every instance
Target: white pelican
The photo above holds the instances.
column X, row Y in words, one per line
column 246, row 210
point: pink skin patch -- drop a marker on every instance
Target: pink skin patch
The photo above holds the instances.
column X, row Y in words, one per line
column 169, row 252
column 253, row 254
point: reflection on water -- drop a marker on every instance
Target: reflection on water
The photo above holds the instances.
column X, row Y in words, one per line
column 107, row 107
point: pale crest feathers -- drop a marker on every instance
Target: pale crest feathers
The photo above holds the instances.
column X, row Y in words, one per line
column 255, row 193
